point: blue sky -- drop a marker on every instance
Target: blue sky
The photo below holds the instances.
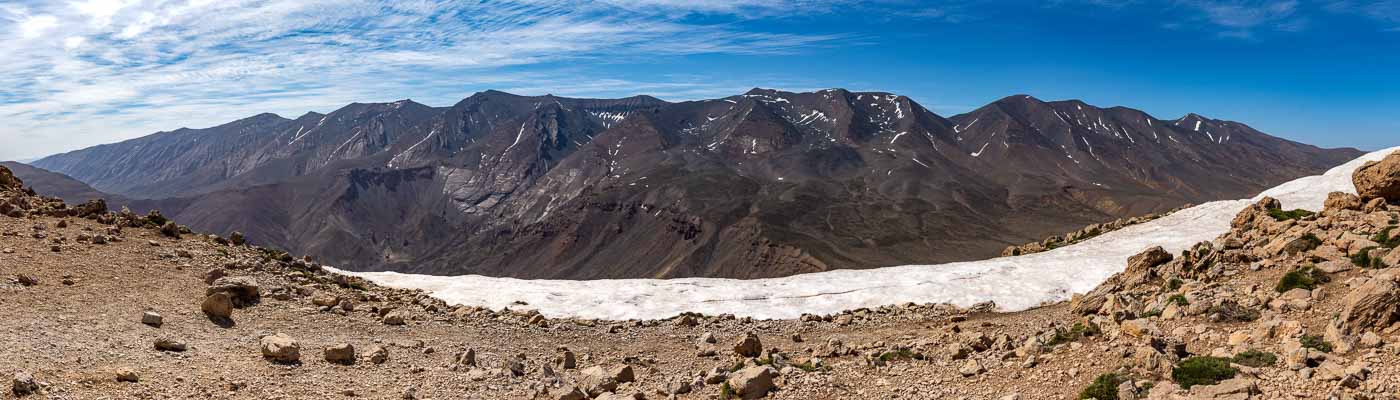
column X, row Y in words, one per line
column 81, row 73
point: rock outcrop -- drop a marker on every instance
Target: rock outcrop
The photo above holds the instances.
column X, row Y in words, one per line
column 1379, row 179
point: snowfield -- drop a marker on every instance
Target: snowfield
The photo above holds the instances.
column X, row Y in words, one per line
column 1014, row 283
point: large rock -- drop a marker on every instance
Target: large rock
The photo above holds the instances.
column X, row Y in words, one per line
column 343, row 353
column 1379, row 179
column 23, row 384
column 218, row 306
column 752, row 382
column 749, row 346
column 597, row 380
column 8, row 179
column 1337, row 201
column 1237, row 388
column 281, row 348
column 1141, row 269
column 243, row 290
column 1373, row 305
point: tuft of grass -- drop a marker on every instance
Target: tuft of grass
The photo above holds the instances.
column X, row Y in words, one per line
column 1313, row 241
column 1179, row 300
column 1255, row 358
column 1316, row 342
column 807, row 366
column 738, row 365
column 1384, row 238
column 1105, row 387
column 1280, row 215
column 1363, row 259
column 1174, row 284
column 901, row 354
column 726, row 392
column 1202, row 371
column 1307, row 277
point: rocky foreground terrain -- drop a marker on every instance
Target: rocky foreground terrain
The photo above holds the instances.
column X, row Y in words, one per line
column 102, row 304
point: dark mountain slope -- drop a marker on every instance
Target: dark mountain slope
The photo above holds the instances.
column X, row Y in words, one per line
column 767, row 183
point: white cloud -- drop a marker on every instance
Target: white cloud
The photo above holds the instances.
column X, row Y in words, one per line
column 35, row 26
column 123, row 68
column 73, row 42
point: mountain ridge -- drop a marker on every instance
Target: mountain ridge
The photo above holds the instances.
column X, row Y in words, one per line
column 554, row 187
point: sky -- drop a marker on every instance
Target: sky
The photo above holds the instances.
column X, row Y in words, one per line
column 87, row 72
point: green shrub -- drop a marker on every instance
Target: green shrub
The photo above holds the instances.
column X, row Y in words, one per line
column 1316, row 342
column 726, row 392
column 1255, row 358
column 1105, row 387
column 1363, row 259
column 1179, row 300
column 738, row 365
column 901, row 354
column 1307, row 277
column 1174, row 284
column 1313, row 241
column 807, row 366
column 1280, row 215
column 1202, row 371
column 1385, row 239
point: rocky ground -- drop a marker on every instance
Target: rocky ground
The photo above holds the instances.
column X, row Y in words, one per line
column 99, row 304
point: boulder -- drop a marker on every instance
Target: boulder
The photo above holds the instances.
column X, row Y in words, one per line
column 152, row 318
column 90, row 208
column 749, row 346
column 1371, row 306
column 393, row 318
column 281, row 348
column 1141, row 269
column 597, row 380
column 127, row 375
column 236, row 238
column 971, row 367
column 243, row 290
column 378, row 354
column 23, row 384
column 572, row 393
column 8, row 179
column 752, row 382
column 1337, row 201
column 343, row 353
column 170, row 229
column 168, row 344
column 1379, row 179
column 1237, row 388
column 218, row 306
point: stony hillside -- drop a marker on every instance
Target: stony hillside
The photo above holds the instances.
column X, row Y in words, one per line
column 763, row 184
column 1288, row 304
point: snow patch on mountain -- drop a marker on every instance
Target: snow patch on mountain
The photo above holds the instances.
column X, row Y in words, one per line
column 1014, row 283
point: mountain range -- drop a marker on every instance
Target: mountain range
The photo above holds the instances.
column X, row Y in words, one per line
column 764, row 184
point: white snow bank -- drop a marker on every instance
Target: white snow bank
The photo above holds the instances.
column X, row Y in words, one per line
column 1014, row 283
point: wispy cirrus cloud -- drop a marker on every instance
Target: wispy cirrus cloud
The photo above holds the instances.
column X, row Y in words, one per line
column 91, row 71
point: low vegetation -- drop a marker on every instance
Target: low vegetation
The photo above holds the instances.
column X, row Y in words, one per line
column 1280, row 215
column 1202, row 371
column 1255, row 358
column 1316, row 342
column 1363, row 259
column 1385, row 239
column 1308, row 277
column 1105, row 387
column 1179, row 300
